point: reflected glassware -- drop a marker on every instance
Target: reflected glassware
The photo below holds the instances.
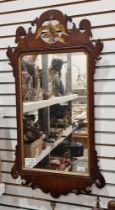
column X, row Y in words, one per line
column 80, row 166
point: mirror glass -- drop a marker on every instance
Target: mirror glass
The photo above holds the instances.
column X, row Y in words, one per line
column 54, row 115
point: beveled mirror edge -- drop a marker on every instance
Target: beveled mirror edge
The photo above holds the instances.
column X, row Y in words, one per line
column 58, row 184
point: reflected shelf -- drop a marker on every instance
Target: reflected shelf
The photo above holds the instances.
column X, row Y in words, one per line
column 31, row 106
column 31, row 162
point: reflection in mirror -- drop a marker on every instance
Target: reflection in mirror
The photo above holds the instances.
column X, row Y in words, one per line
column 54, row 97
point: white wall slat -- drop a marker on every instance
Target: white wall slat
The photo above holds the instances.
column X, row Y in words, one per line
column 7, row 88
column 103, row 33
column 109, row 177
column 104, row 86
column 8, row 144
column 3, row 54
column 7, row 100
column 7, row 178
column 104, row 99
column 105, row 138
column 7, row 155
column 105, row 151
column 11, row 30
column 4, row 66
column 107, row 164
column 108, row 190
column 9, row 208
column 8, row 133
column 97, row 20
column 7, row 77
column 103, row 125
column 105, row 61
column 7, row 166
column 8, row 123
column 9, row 111
column 104, row 73
column 105, row 113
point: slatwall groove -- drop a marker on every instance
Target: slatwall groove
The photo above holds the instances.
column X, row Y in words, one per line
column 15, row 23
column 105, row 157
column 105, row 119
column 106, row 39
column 5, row 1
column 16, row 207
column 108, row 145
column 106, row 66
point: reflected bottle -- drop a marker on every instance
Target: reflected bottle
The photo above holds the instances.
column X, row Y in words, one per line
column 80, row 166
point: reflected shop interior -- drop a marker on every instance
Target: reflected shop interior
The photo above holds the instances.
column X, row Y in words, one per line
column 54, row 112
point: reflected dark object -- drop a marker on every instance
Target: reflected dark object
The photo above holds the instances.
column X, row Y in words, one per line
column 60, row 116
column 31, row 128
column 30, row 68
column 56, row 66
column 75, row 149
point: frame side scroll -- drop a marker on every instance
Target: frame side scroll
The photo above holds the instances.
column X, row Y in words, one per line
column 52, row 36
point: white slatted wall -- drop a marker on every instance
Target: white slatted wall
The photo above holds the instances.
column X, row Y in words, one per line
column 101, row 13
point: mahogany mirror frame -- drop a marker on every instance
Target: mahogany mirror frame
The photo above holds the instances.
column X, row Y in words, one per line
column 78, row 38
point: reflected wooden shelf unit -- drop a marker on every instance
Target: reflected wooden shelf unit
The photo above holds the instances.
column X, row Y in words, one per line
column 81, row 137
column 52, row 146
column 31, row 106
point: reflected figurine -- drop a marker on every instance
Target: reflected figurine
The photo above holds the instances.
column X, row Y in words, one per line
column 56, row 66
column 29, row 78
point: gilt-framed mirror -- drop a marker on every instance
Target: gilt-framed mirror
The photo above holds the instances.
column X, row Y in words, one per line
column 54, row 65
